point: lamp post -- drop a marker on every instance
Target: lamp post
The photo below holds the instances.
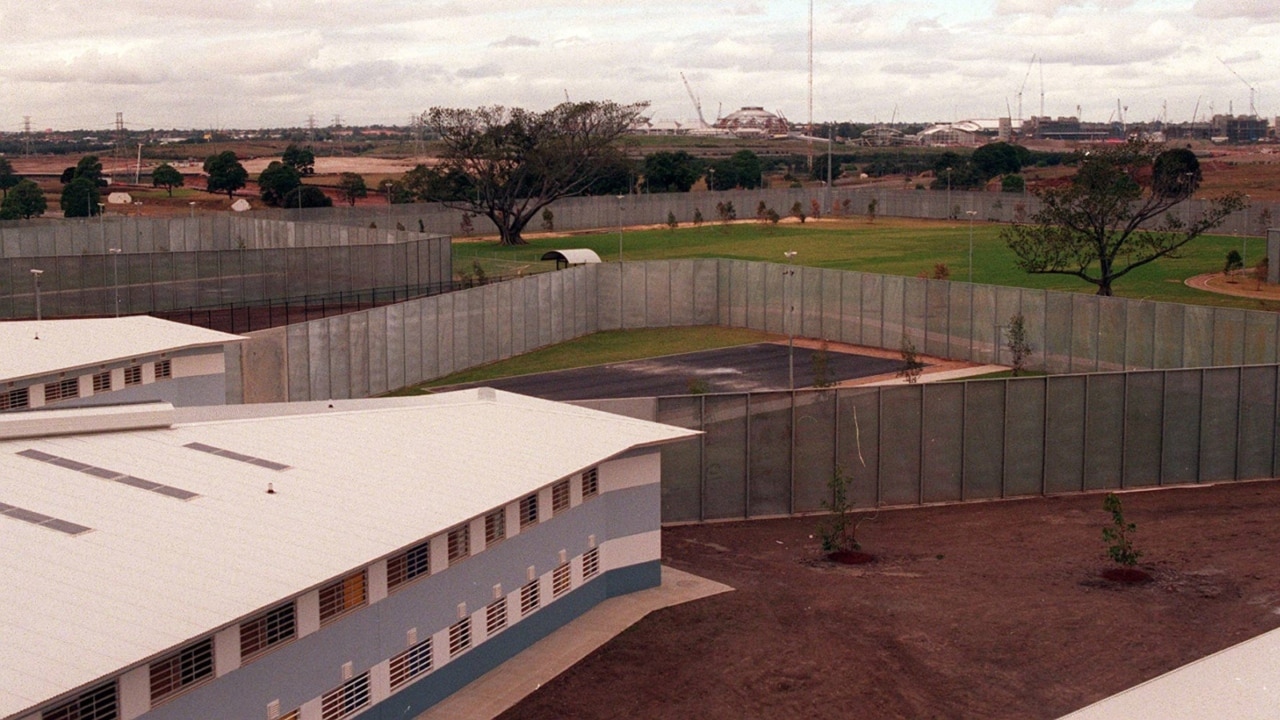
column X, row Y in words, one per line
column 102, row 222
column 971, row 214
column 711, row 178
column 786, row 319
column 1244, row 236
column 115, row 275
column 192, row 205
column 948, row 192
column 35, row 278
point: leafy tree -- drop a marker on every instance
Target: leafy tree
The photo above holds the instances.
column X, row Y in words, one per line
column 1013, row 184
column 1015, row 335
column 740, row 170
column 432, row 184
column 351, row 187
column 276, row 181
column 1234, row 262
column 997, row 158
column 671, row 171
column 68, row 174
column 612, row 175
column 300, row 159
column 7, row 177
column 90, row 168
column 820, row 168
column 80, row 198
column 225, row 173
column 168, row 177
column 26, row 201
column 516, row 162
column 394, row 191
column 1114, row 216
column 306, row 196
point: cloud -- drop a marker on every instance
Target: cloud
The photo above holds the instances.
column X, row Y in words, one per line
column 515, row 41
column 918, row 69
column 1048, row 8
column 1264, row 10
column 480, row 72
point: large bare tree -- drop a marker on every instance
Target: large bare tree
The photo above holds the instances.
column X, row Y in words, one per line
column 507, row 164
column 1115, row 215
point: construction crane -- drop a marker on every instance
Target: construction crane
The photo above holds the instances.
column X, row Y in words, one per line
column 697, row 104
column 1253, row 111
column 1024, row 87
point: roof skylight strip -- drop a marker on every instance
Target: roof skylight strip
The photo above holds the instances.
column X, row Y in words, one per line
column 35, row 518
column 233, row 455
column 111, row 475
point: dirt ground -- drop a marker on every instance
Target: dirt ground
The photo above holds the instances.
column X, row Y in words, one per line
column 992, row 610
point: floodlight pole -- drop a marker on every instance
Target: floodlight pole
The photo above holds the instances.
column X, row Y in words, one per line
column 115, row 275
column 786, row 320
column 192, row 205
column 971, row 214
column 1244, row 236
column 35, row 278
column 620, row 228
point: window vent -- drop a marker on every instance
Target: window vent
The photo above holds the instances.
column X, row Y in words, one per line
column 530, row 598
column 495, row 617
column 590, row 483
column 411, row 663
column 561, row 580
column 100, row 703
column 273, row 710
column 345, row 700
column 459, row 637
column 560, row 497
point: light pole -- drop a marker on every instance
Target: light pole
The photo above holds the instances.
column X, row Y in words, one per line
column 102, row 222
column 971, row 213
column 1244, row 236
column 620, row 228
column 35, row 278
column 192, row 205
column 786, row 319
column 115, row 275
column 948, row 192
column 711, row 178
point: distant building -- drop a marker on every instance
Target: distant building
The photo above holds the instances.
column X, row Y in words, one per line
column 754, row 122
column 1239, row 128
column 307, row 561
column 97, row 361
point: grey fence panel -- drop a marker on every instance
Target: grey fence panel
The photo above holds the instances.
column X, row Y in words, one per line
column 1084, row 333
column 1170, row 325
column 808, row 301
column 657, row 298
column 502, row 319
column 815, row 449
column 519, row 311
column 960, row 321
column 983, row 327
column 485, row 342
column 1034, row 320
column 1140, row 335
column 468, row 328
column 447, row 315
column 1260, row 338
column 725, row 450
column 982, row 419
column 893, row 311
column 634, row 295
column 850, row 330
column 1112, row 332
column 1058, row 332
column 1008, row 306
column 1143, row 428
column 547, row 306
column 1257, row 422
column 338, row 329
column 872, row 306
column 429, row 322
column 1228, row 336
column 681, row 462
column 608, row 300
column 1197, row 336
column 1064, row 434
column 1023, row 429
column 359, row 366
column 1104, row 431
column 831, row 310
column 937, row 318
column 943, row 443
column 1219, row 424
column 681, row 293
column 737, row 304
column 706, row 309
column 770, row 439
column 1180, row 452
column 915, row 311
column 394, row 372
column 533, row 313
column 900, row 449
column 781, row 285
column 857, row 443
column 317, row 358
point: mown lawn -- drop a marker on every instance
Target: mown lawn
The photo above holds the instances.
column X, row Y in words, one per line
column 890, row 246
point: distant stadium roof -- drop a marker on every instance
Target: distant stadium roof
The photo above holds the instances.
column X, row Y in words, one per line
column 78, row 343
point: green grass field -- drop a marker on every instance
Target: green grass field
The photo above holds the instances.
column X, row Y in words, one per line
column 889, row 246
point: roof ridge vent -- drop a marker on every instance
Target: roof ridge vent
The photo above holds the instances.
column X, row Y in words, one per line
column 81, row 421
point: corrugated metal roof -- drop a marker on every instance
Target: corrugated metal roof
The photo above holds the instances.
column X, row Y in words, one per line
column 155, row 572
column 78, row 343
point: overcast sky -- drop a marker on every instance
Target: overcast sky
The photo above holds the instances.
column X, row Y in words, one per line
column 273, row 63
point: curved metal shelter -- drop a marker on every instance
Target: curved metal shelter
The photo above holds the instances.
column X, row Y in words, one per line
column 577, row 256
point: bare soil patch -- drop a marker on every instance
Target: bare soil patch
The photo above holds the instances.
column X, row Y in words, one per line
column 991, row 610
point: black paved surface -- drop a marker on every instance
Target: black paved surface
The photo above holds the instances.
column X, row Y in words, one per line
column 748, row 368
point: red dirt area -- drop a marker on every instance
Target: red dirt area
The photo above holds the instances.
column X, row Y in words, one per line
column 989, row 610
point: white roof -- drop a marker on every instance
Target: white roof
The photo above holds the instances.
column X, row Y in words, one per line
column 576, row 256
column 72, row 344
column 156, row 571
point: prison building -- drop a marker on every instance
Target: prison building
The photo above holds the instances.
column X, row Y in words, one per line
column 98, row 361
column 310, row 561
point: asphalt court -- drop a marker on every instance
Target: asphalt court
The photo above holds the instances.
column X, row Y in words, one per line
column 746, row 368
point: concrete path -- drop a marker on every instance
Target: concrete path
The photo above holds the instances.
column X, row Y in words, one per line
column 504, row 686
column 1241, row 683
column 929, row 377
